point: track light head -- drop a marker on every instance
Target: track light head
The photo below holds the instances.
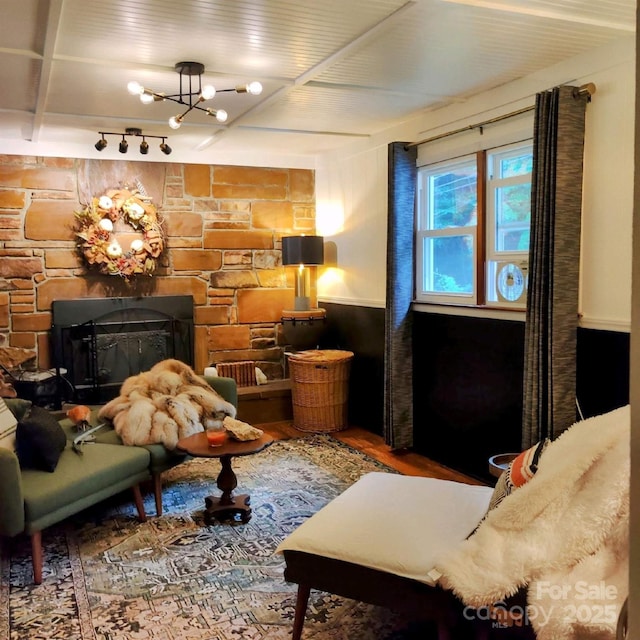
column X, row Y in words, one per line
column 123, row 146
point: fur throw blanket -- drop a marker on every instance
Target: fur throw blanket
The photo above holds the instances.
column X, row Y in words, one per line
column 164, row 404
column 564, row 535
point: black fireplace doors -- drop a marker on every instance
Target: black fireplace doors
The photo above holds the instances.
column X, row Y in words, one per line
column 99, row 342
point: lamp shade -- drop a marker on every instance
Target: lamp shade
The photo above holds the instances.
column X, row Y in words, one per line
column 307, row 250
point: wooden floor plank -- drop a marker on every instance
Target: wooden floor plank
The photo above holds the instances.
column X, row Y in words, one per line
column 373, row 445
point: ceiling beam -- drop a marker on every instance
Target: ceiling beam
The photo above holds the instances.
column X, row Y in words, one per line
column 51, row 35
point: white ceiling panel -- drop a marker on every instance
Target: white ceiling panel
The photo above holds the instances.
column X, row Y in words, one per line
column 332, row 70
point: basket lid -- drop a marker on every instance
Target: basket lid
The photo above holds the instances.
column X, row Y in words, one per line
column 321, row 355
column 291, row 314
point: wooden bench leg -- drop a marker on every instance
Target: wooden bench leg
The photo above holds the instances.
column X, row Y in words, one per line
column 301, row 610
column 36, row 556
column 137, row 497
column 443, row 631
column 157, row 492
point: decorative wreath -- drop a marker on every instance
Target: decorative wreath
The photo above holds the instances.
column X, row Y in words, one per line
column 118, row 217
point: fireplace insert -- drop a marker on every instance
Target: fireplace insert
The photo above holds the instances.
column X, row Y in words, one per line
column 99, row 342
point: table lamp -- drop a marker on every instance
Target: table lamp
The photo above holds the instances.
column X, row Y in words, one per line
column 302, row 251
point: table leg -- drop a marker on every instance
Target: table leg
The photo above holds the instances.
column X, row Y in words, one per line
column 227, row 506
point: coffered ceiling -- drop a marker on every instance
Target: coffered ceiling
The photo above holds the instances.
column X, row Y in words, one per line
column 332, row 71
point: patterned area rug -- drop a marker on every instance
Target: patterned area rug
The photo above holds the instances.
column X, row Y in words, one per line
column 109, row 577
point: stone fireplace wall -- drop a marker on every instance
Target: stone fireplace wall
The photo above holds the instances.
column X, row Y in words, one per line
column 223, row 226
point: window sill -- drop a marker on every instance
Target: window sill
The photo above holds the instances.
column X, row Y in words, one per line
column 471, row 311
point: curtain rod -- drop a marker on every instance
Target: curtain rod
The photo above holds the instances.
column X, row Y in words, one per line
column 586, row 89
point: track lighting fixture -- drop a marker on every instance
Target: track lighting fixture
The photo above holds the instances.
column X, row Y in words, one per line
column 123, row 147
column 192, row 97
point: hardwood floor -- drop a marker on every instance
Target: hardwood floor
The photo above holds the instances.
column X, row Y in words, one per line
column 407, row 462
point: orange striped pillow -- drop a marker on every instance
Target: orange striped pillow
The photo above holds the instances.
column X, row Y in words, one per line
column 520, row 470
column 524, row 467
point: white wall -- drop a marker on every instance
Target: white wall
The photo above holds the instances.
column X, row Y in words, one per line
column 352, row 184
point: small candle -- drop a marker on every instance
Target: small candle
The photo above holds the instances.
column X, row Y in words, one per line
column 216, row 437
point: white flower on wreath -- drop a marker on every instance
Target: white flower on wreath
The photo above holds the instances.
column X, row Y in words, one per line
column 134, row 210
column 105, row 202
column 106, row 225
column 114, row 250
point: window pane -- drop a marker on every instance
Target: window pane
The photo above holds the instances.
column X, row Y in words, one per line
column 514, row 240
column 513, row 217
column 452, row 200
column 448, row 264
column 518, row 166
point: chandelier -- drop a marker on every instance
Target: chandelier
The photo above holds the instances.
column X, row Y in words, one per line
column 192, row 93
column 123, row 147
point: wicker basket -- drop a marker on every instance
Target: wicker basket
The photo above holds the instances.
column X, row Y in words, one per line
column 244, row 373
column 319, row 389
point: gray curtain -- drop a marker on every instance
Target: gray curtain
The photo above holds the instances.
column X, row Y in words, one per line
column 554, row 260
column 398, row 364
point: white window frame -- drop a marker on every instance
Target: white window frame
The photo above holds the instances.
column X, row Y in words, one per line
column 494, row 157
column 486, row 254
column 424, row 233
column 495, row 257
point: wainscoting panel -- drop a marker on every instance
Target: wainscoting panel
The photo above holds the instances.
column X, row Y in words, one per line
column 467, row 380
column 468, row 389
column 361, row 330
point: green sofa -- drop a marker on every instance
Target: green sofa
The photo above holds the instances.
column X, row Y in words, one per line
column 32, row 499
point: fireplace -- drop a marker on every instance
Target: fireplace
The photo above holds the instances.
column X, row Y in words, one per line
column 99, row 342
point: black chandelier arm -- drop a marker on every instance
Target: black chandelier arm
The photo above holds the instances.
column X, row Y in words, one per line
column 175, row 97
column 190, row 108
column 179, row 98
column 190, row 79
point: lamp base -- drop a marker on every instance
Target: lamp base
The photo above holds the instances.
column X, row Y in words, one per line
column 302, row 303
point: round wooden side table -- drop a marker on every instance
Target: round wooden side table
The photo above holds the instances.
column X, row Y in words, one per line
column 227, row 506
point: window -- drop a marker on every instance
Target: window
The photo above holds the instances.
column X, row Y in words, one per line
column 472, row 231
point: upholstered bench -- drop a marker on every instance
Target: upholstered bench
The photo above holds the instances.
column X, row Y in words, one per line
column 378, row 542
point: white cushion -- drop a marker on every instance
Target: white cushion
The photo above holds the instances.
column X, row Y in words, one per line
column 393, row 523
column 8, row 426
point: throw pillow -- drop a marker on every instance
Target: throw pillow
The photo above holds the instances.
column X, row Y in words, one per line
column 18, row 406
column 520, row 470
column 8, row 425
column 40, row 440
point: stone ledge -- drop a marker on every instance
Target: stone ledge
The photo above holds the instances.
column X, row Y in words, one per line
column 270, row 402
column 268, row 390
